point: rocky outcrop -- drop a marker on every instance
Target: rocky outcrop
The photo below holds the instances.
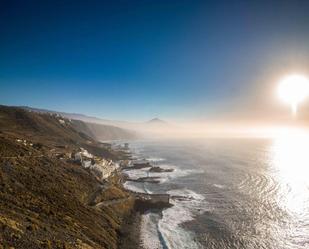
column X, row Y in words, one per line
column 159, row 169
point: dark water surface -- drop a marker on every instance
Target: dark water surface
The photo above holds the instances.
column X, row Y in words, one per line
column 228, row 193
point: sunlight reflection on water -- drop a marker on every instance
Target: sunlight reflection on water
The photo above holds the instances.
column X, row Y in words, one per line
column 256, row 191
column 290, row 158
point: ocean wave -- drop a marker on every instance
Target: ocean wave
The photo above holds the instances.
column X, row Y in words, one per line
column 219, row 186
column 134, row 187
column 162, row 176
column 136, row 173
column 139, row 187
column 176, row 173
column 155, row 159
column 150, row 237
column 165, row 231
column 169, row 226
column 189, row 194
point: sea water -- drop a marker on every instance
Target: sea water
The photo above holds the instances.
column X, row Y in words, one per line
column 227, row 193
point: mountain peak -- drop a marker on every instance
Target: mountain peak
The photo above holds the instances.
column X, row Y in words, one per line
column 156, row 121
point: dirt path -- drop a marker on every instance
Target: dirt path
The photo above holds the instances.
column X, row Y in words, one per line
column 112, row 202
column 15, row 157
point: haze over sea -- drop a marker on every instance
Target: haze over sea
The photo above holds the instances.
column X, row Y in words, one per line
column 228, row 193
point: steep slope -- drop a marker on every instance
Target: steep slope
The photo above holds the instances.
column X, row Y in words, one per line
column 30, row 124
column 103, row 132
column 96, row 128
column 44, row 201
column 47, row 128
column 74, row 116
column 82, row 127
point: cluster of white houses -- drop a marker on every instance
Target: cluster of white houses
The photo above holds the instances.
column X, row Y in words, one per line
column 100, row 167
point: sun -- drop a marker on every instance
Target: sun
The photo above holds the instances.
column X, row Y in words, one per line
column 293, row 89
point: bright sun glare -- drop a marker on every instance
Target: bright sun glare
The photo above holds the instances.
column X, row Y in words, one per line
column 293, row 89
column 290, row 159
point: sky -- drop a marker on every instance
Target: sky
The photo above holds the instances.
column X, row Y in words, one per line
column 136, row 60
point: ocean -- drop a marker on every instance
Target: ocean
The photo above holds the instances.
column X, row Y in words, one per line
column 227, row 193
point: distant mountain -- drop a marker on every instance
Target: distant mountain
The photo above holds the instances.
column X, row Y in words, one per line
column 156, row 121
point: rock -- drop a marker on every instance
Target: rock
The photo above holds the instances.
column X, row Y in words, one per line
column 159, row 170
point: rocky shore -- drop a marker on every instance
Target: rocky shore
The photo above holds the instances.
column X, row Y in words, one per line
column 159, row 169
column 150, row 179
column 146, row 203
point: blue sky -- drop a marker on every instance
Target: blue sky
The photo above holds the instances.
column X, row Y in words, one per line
column 136, row 60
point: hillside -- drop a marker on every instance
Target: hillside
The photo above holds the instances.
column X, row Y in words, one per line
column 96, row 128
column 75, row 116
column 103, row 132
column 52, row 129
column 45, row 200
column 107, row 132
column 17, row 121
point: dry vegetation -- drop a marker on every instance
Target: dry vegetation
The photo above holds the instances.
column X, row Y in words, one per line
column 44, row 201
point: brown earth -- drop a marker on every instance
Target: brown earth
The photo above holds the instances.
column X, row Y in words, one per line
column 44, row 200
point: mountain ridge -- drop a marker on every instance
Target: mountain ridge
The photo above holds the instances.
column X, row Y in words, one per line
column 96, row 128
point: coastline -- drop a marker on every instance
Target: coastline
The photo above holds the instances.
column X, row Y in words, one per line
column 144, row 203
column 157, row 173
column 60, row 188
